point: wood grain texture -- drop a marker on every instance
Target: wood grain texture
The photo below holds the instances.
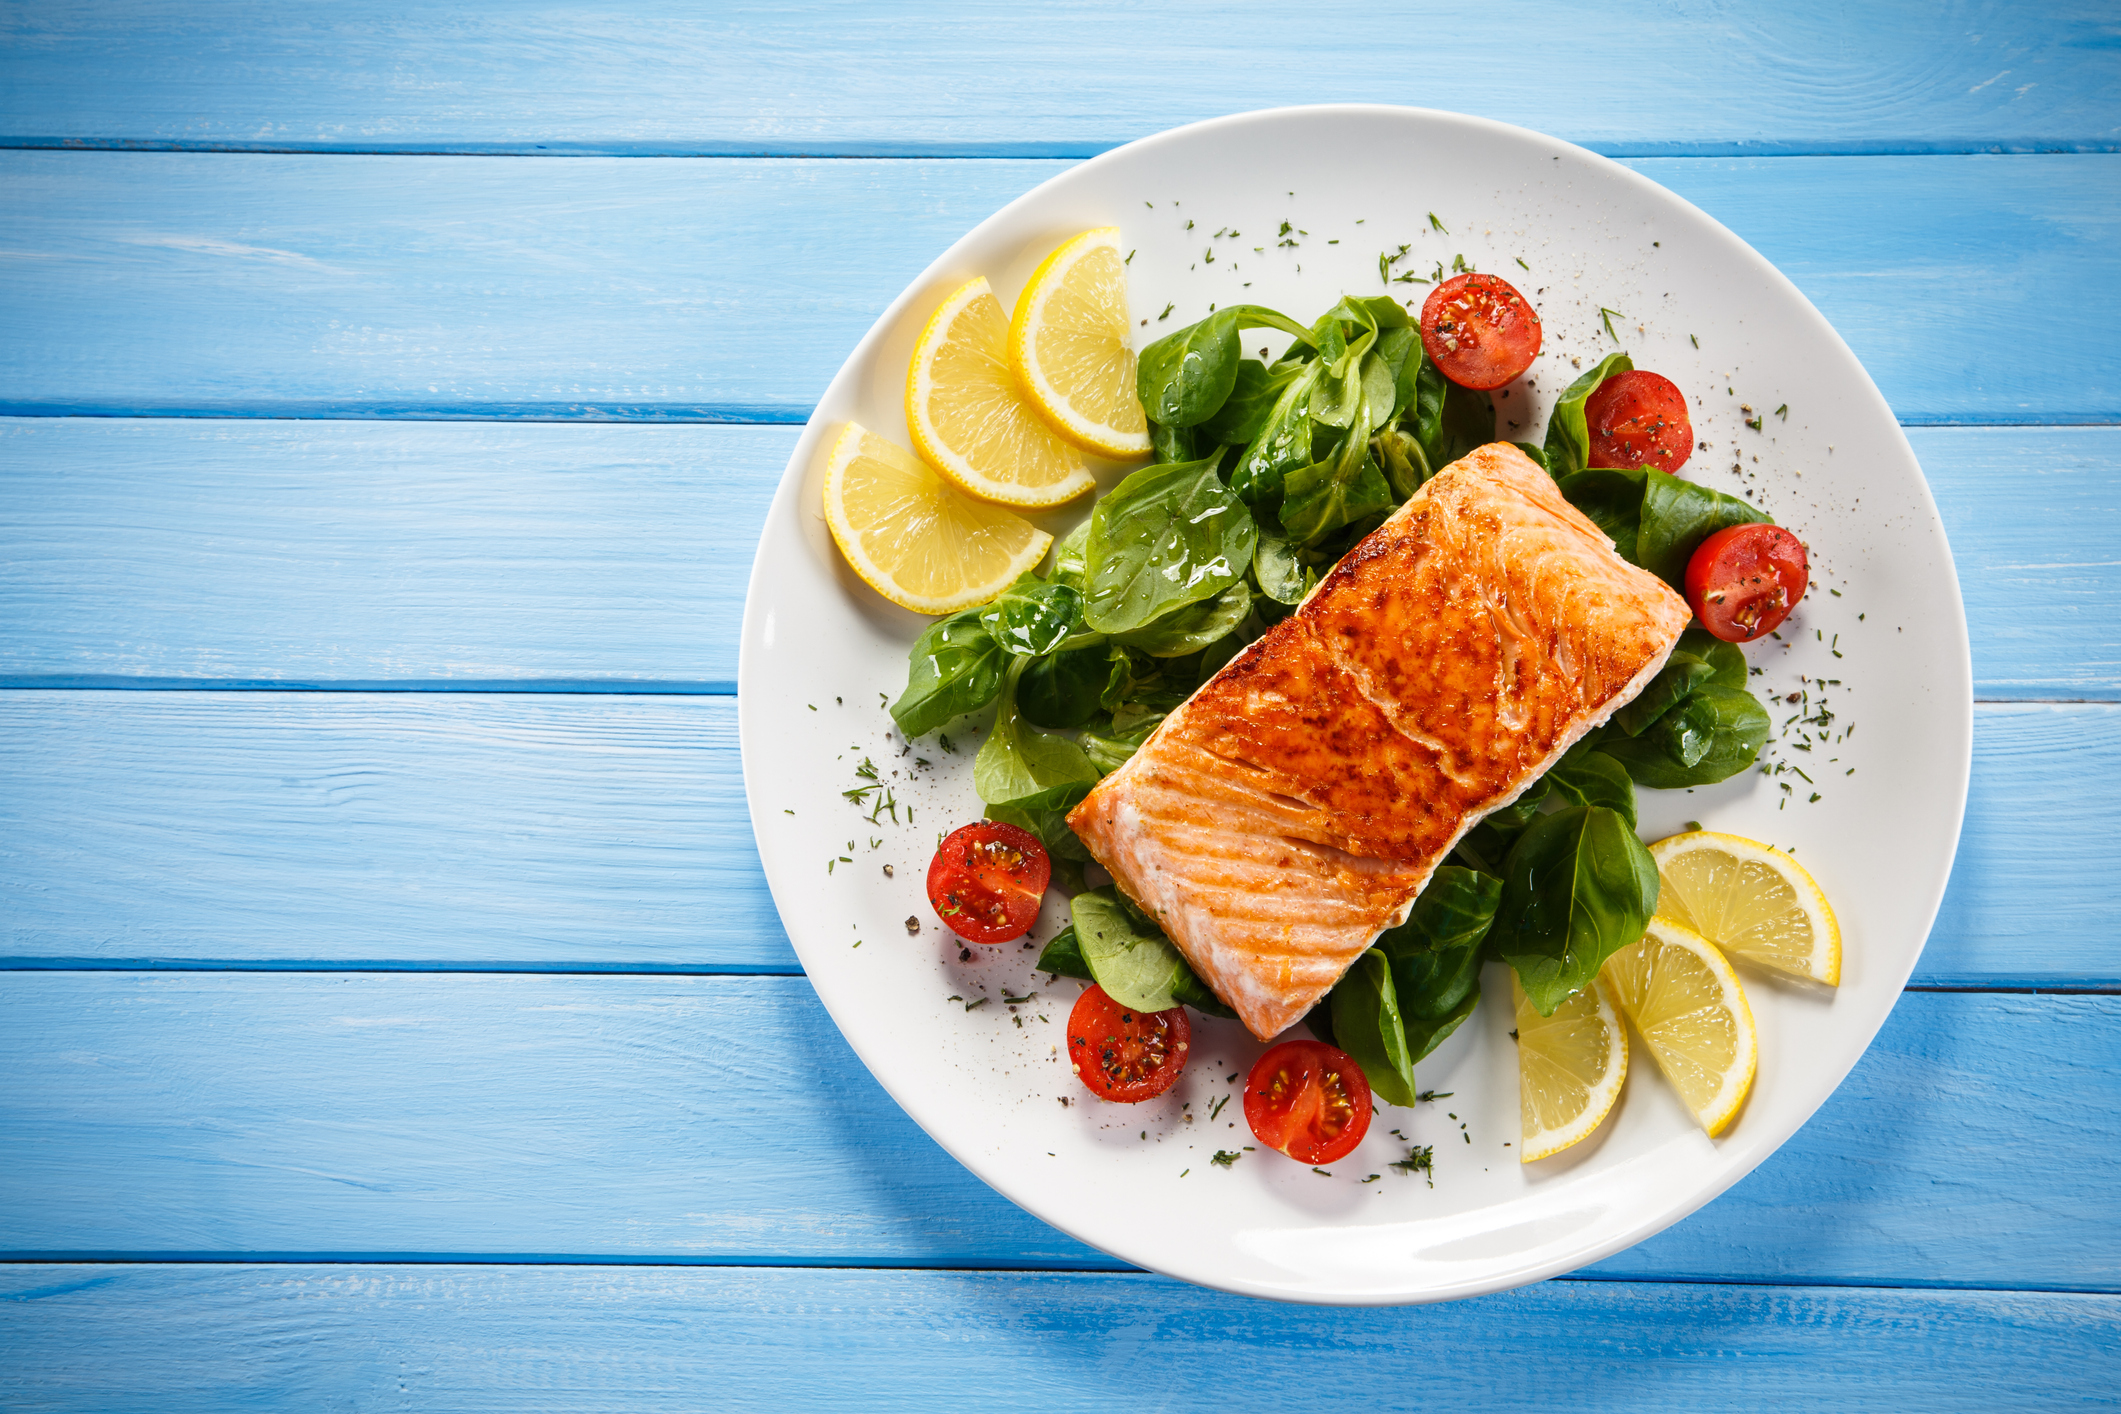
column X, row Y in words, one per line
column 486, row 830
column 1046, row 78
column 657, row 1119
column 605, row 288
column 642, row 1340
column 470, row 555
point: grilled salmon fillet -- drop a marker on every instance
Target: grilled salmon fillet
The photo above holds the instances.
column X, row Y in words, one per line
column 1294, row 807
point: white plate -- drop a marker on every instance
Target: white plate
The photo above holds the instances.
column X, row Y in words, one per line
column 993, row 1087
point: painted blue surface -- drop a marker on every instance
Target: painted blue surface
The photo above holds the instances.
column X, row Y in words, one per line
column 317, row 442
column 649, row 289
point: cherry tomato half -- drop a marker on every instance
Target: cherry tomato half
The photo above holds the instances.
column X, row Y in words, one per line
column 1478, row 331
column 986, row 881
column 1744, row 580
column 1126, row 1055
column 1308, row 1100
column 1639, row 418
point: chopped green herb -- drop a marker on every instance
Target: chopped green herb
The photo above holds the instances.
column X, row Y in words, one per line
column 974, row 1006
column 1783, row 412
column 1438, row 225
column 1520, row 262
column 1605, row 317
column 1225, row 1157
column 1421, row 1159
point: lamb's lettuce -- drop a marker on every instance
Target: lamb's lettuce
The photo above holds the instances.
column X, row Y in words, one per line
column 955, row 667
column 1018, row 760
column 1568, row 444
column 1129, row 956
column 1578, row 887
column 1165, row 537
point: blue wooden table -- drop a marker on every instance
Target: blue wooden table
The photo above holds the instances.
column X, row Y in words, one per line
column 393, row 1012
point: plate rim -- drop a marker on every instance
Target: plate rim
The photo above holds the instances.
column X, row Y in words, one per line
column 1759, row 1147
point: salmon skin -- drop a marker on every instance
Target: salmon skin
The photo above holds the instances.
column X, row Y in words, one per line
column 1294, row 807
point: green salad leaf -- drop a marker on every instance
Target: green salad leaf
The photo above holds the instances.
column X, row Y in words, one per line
column 1456, row 908
column 1129, row 956
column 1364, row 1008
column 1436, row 992
column 1244, row 414
column 1568, row 444
column 1046, row 816
column 1017, row 760
column 1710, row 736
column 955, row 667
column 1065, row 689
column 1446, row 420
column 1032, row 617
column 1590, row 777
column 1192, row 627
column 1680, row 675
column 1657, row 520
column 1165, row 537
column 1063, row 956
column 1185, row 377
column 1578, row 887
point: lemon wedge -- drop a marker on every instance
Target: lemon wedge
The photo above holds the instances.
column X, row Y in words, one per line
column 912, row 536
column 1071, row 350
column 970, row 421
column 1686, row 1001
column 1751, row 900
column 1569, row 1068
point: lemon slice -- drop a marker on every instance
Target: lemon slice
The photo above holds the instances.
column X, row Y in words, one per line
column 1070, row 348
column 1751, row 900
column 1685, row 1000
column 1569, row 1068
column 970, row 421
column 912, row 536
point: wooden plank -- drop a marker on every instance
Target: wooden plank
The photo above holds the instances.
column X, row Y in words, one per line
column 240, row 1116
column 1044, row 78
column 148, row 829
column 641, row 1340
column 601, row 288
column 469, row 555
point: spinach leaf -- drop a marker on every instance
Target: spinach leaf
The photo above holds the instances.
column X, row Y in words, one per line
column 1456, row 909
column 955, row 667
column 1046, row 815
column 1680, row 675
column 1065, row 689
column 1568, row 445
column 1399, row 456
column 1400, row 349
column 1538, row 454
column 1520, row 812
column 1592, row 778
column 1712, row 735
column 1657, row 520
column 1726, row 660
column 1251, row 400
column 1185, row 377
column 1063, row 956
column 1194, row 627
column 1068, row 556
column 1018, row 760
column 1448, row 421
column 1031, row 617
column 1165, row 537
column 1283, row 442
column 1178, row 444
column 1579, row 886
column 1342, row 490
column 1366, row 1024
column 1436, row 991
column 1108, row 751
column 1274, row 564
column 1129, row 956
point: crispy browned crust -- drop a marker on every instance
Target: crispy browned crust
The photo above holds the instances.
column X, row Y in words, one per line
column 1295, row 806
